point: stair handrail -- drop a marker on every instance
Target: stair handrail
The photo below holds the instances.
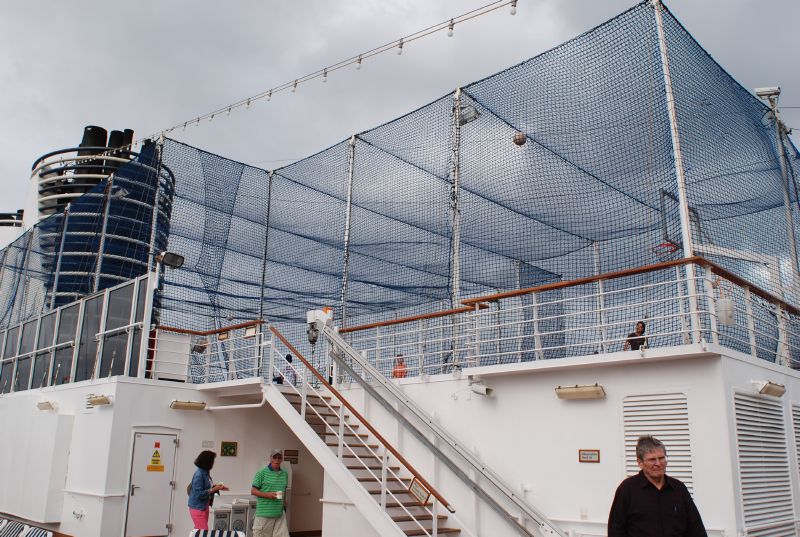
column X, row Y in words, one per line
column 387, row 474
column 479, row 466
column 413, row 471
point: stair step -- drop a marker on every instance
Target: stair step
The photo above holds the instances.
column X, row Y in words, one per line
column 420, row 531
column 394, row 491
column 371, row 466
column 321, row 413
column 371, row 479
column 352, row 435
column 404, row 504
column 309, row 397
column 353, row 446
column 409, row 518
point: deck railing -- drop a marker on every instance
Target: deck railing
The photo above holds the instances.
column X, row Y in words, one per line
column 593, row 315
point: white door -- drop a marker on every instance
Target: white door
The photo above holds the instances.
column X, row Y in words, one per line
column 151, row 485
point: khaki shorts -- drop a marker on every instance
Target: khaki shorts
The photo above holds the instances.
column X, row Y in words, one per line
column 270, row 527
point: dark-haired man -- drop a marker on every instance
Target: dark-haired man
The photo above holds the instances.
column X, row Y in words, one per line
column 269, row 487
column 651, row 503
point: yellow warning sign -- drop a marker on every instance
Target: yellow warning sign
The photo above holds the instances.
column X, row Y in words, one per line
column 155, row 462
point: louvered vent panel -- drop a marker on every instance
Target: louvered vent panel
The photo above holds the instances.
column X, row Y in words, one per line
column 796, row 420
column 763, row 465
column 785, row 529
column 666, row 417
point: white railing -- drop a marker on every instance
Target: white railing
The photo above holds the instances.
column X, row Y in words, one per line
column 376, row 459
column 589, row 316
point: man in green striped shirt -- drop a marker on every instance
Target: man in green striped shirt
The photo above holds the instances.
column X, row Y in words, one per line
column 269, row 486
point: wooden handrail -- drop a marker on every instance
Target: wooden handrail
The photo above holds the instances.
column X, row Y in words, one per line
column 361, row 419
column 420, row 317
column 582, row 281
column 209, row 332
column 469, row 303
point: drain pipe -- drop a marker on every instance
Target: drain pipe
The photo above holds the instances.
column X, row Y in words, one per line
column 246, row 405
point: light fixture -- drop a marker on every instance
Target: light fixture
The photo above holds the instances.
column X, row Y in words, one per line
column 400, row 47
column 766, row 387
column 294, row 86
column 477, row 386
column 467, row 114
column 222, row 336
column 46, row 406
column 170, row 259
column 766, row 93
column 250, row 331
column 325, row 75
column 450, row 28
column 358, row 63
column 586, row 391
column 187, row 405
column 513, row 7
column 98, row 400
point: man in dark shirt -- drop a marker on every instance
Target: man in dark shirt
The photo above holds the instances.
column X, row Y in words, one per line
column 651, row 503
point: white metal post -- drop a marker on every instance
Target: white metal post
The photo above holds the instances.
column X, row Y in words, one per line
column 712, row 304
column 751, row 323
column 601, row 302
column 101, row 247
column 537, row 338
column 64, row 223
column 351, row 157
column 384, row 468
column 680, row 174
column 149, row 304
column 781, row 354
column 340, row 443
column 455, row 207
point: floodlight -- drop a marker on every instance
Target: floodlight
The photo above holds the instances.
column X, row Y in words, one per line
column 46, row 406
column 766, row 387
column 187, row 405
column 170, row 259
column 481, row 389
column 98, row 400
column 250, row 331
column 467, row 114
column 587, row 391
column 766, row 93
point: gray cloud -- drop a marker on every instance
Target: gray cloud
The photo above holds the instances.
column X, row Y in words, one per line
column 150, row 64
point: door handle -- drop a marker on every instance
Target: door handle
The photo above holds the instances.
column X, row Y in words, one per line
column 133, row 488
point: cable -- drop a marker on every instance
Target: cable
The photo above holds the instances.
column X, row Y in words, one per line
column 323, row 73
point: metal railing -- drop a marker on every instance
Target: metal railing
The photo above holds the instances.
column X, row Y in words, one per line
column 329, row 403
column 590, row 316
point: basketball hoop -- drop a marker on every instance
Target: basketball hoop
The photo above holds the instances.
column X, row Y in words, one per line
column 665, row 248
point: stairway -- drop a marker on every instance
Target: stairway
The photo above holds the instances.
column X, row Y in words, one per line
column 363, row 457
column 360, row 464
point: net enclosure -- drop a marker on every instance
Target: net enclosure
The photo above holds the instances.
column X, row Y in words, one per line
column 625, row 146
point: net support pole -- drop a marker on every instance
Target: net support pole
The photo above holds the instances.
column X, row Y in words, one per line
column 680, row 175
column 154, row 219
column 455, row 207
column 787, row 200
column 270, row 174
column 351, row 159
column 98, row 266
column 64, row 224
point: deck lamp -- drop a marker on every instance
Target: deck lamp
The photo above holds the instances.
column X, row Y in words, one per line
column 766, row 387
column 46, row 406
column 170, row 259
column 187, row 405
column 98, row 400
column 586, row 391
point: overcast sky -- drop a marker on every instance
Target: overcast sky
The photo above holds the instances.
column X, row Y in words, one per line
column 150, row 64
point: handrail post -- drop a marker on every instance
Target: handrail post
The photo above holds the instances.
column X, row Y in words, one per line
column 712, row 305
column 271, row 366
column 537, row 338
column 435, row 518
column 421, row 347
column 681, row 309
column 340, row 446
column 751, row 323
column 384, row 471
column 780, row 353
column 601, row 306
column 303, row 399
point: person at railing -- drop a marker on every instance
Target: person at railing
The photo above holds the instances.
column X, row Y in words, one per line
column 651, row 502
column 202, row 489
column 269, row 487
column 288, row 375
column 399, row 371
column 636, row 339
